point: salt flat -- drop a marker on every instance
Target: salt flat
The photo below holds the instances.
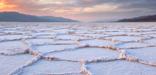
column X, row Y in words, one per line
column 77, row 48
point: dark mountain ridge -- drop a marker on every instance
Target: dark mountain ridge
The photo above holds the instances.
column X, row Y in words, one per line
column 149, row 18
column 19, row 17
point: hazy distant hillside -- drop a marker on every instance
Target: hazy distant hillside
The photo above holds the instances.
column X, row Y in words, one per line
column 150, row 18
column 19, row 17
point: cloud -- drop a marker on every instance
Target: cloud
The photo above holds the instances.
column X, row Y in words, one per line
column 78, row 9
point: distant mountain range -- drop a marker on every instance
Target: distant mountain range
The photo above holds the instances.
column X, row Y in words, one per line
column 149, row 18
column 19, row 17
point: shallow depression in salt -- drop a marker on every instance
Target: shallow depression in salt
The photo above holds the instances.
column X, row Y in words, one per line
column 10, row 63
column 10, row 37
column 43, row 67
column 147, row 54
column 125, row 38
column 77, row 48
column 13, row 47
column 98, row 43
column 86, row 54
column 40, row 41
column 132, row 45
column 51, row 48
column 121, row 68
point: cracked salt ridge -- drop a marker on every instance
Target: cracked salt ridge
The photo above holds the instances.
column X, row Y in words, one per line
column 93, row 36
column 38, row 42
column 70, row 37
column 64, row 31
column 115, row 33
column 144, row 54
column 19, row 70
column 152, row 35
column 151, row 41
column 44, row 34
column 12, row 37
column 132, row 45
column 125, row 38
column 98, row 43
column 53, row 48
column 85, row 31
column 86, row 54
column 52, row 67
column 120, row 68
column 10, row 63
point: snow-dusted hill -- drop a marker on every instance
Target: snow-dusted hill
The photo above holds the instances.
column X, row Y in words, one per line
column 77, row 48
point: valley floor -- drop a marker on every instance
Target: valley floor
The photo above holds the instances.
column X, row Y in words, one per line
column 77, row 48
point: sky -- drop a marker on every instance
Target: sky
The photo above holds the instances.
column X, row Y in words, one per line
column 83, row 10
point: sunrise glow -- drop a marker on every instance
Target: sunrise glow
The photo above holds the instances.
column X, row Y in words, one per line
column 6, row 6
column 88, row 10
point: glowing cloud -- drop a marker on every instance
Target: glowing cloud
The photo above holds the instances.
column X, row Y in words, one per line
column 81, row 9
column 101, row 8
column 4, row 5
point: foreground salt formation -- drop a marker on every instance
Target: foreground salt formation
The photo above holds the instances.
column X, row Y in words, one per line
column 77, row 48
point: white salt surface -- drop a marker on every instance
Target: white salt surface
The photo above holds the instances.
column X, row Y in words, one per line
column 10, row 63
column 86, row 54
column 13, row 47
column 49, row 48
column 147, row 54
column 77, row 48
column 52, row 67
column 121, row 68
column 132, row 45
column 100, row 43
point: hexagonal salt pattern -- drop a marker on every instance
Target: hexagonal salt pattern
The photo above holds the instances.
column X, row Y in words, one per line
column 77, row 48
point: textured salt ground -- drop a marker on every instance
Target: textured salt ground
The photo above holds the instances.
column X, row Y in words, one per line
column 85, row 31
column 10, row 63
column 98, row 43
column 125, row 38
column 69, row 37
column 132, row 45
column 44, row 34
column 52, row 67
column 146, row 54
column 10, row 37
column 50, row 48
column 39, row 41
column 86, row 54
column 95, row 35
column 153, row 35
column 13, row 47
column 151, row 41
column 115, row 33
column 68, row 43
column 121, row 68
column 64, row 42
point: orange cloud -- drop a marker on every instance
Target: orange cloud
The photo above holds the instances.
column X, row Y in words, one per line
column 6, row 5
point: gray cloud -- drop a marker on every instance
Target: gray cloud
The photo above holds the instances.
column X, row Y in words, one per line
column 126, row 8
